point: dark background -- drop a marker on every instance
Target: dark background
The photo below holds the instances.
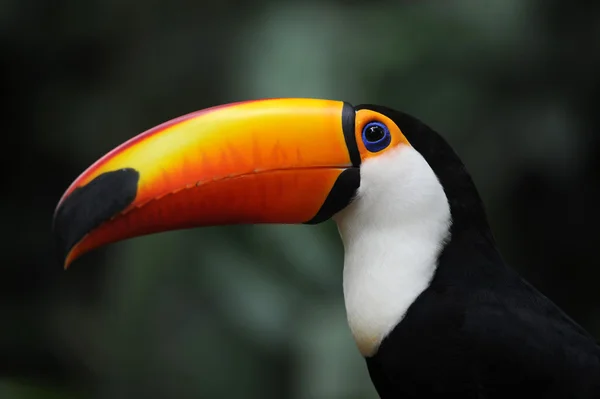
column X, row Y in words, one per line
column 257, row 311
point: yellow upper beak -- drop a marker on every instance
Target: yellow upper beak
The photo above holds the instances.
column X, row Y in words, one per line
column 265, row 161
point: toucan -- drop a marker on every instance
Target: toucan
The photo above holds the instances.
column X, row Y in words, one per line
column 430, row 302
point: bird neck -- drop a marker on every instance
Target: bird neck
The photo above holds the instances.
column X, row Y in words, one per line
column 384, row 272
column 393, row 234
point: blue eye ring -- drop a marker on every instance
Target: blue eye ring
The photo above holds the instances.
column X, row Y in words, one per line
column 376, row 136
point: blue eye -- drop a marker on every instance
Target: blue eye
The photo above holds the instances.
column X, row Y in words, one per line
column 376, row 136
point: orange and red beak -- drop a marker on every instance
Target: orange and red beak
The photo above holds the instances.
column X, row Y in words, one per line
column 265, row 161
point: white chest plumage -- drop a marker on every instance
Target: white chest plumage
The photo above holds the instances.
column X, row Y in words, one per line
column 393, row 233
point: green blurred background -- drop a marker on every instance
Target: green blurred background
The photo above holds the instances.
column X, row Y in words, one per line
column 257, row 311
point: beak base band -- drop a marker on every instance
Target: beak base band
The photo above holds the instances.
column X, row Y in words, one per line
column 348, row 125
column 341, row 195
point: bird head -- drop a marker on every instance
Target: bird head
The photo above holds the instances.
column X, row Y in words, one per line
column 265, row 161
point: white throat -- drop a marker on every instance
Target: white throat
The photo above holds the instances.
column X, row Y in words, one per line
column 393, row 233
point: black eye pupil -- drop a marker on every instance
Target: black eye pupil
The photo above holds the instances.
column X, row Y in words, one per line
column 376, row 136
column 374, row 133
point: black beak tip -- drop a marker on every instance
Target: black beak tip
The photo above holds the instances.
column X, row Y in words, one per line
column 87, row 207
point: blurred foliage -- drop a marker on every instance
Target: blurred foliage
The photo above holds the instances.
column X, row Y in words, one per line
column 257, row 311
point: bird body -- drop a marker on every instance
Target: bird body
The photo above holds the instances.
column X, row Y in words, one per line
column 480, row 331
column 430, row 302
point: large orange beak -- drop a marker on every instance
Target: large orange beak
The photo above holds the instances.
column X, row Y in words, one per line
column 266, row 161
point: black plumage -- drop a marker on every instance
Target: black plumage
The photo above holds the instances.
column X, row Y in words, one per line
column 479, row 330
